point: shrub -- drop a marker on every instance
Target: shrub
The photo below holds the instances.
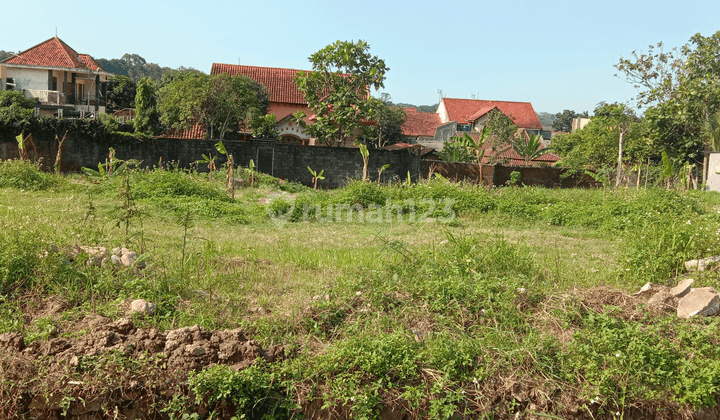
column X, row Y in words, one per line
column 25, row 175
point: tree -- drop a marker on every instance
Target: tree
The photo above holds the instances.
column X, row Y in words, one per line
column 263, row 127
column 5, row 54
column 563, row 120
column 388, row 123
column 133, row 66
column 121, row 93
column 502, row 130
column 15, row 106
column 218, row 103
column 337, row 89
column 616, row 117
column 679, row 88
column 147, row 114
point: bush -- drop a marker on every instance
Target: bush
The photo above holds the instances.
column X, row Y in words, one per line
column 25, row 175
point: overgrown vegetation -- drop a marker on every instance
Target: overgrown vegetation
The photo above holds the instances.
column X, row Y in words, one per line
column 518, row 304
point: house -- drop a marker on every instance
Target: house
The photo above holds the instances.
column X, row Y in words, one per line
column 471, row 114
column 420, row 128
column 63, row 82
column 285, row 97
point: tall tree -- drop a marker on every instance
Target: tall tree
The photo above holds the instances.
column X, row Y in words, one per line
column 678, row 88
column 563, row 120
column 147, row 114
column 388, row 121
column 501, row 129
column 5, row 54
column 337, row 89
column 616, row 117
column 121, row 92
column 218, row 103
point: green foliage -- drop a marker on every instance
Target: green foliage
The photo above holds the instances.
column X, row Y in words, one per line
column 530, row 148
column 254, row 392
column 14, row 106
column 147, row 114
column 680, row 88
column 388, row 121
column 121, row 92
column 501, row 129
column 563, row 120
column 218, row 103
column 264, row 127
column 336, row 89
column 25, row 175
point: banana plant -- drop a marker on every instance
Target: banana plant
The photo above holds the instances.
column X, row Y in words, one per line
column 530, row 149
column 381, row 170
column 229, row 168
column 316, row 176
column 365, row 156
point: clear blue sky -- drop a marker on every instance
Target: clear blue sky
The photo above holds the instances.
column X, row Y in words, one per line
column 557, row 55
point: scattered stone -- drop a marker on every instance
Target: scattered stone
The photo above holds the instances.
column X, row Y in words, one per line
column 521, row 290
column 649, row 287
column 703, row 301
column 128, row 259
column 116, row 260
column 259, row 310
column 682, row 288
column 703, row 264
column 142, row 306
column 358, row 293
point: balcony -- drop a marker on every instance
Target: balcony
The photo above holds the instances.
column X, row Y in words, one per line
column 57, row 98
column 46, row 97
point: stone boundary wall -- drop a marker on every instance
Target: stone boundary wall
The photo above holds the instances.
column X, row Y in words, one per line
column 282, row 160
column 499, row 175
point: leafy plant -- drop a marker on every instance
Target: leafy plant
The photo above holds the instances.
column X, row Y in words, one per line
column 381, row 170
column 530, row 148
column 316, row 177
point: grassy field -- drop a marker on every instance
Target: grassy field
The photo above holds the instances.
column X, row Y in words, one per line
column 517, row 306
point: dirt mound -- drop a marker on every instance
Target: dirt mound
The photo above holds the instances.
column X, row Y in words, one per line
column 163, row 361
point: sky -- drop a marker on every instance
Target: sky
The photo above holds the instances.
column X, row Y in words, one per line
column 557, row 55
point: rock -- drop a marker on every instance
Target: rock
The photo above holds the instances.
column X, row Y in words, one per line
column 128, row 259
column 703, row 264
column 703, row 301
column 142, row 306
column 682, row 288
column 123, row 325
column 663, row 298
column 649, row 287
column 116, row 260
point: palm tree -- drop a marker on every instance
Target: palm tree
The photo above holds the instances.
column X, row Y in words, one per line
column 530, row 149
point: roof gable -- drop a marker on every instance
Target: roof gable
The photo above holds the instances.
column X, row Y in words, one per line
column 53, row 53
column 279, row 82
column 464, row 111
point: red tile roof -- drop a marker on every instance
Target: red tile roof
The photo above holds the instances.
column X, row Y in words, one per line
column 482, row 111
column 420, row 123
column 522, row 113
column 195, row 132
column 514, row 159
column 54, row 53
column 90, row 62
column 279, row 82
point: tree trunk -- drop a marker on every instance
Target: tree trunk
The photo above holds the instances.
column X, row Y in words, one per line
column 706, row 162
column 620, row 168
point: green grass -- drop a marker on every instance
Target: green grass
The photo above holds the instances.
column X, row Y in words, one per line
column 438, row 316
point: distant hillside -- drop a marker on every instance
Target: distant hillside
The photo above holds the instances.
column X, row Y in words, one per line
column 547, row 119
column 420, row 108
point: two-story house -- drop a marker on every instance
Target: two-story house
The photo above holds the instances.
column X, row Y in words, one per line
column 63, row 82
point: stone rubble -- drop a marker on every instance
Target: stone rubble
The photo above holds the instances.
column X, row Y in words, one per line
column 684, row 299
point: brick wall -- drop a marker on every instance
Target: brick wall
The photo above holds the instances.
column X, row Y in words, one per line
column 498, row 175
column 282, row 160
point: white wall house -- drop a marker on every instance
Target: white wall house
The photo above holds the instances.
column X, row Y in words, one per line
column 63, row 82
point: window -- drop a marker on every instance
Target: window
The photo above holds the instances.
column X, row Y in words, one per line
column 81, row 91
column 54, row 83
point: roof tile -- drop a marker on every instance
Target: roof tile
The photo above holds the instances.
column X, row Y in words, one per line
column 279, row 82
column 421, row 123
column 51, row 53
column 522, row 113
